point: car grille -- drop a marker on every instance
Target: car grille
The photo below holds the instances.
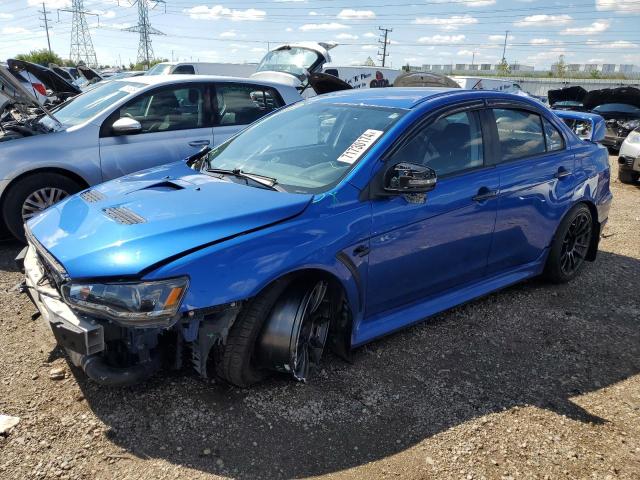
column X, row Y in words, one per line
column 123, row 215
column 626, row 161
column 92, row 196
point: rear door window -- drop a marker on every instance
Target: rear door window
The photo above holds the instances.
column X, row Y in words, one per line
column 242, row 104
column 519, row 133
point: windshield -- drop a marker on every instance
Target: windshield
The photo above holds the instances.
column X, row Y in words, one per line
column 568, row 103
column 86, row 105
column 159, row 69
column 617, row 108
column 293, row 60
column 308, row 147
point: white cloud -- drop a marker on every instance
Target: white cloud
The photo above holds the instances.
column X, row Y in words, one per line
column 6, row 16
column 544, row 20
column 442, row 39
column 350, row 14
column 258, row 50
column 229, row 34
column 313, row 14
column 104, row 13
column 14, row 30
column 288, row 29
column 542, row 41
column 202, row 12
column 369, row 47
column 465, row 53
column 447, row 23
column 618, row 5
column 598, row 26
column 369, row 35
column 500, row 38
column 314, row 27
column 595, row 60
column 50, row 3
column 469, row 3
column 346, row 36
column 617, row 44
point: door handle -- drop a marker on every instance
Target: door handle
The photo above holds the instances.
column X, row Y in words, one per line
column 199, row 143
column 361, row 250
column 484, row 194
column 562, row 173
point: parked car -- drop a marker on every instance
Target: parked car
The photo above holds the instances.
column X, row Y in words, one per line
column 203, row 68
column 620, row 107
column 42, row 83
column 119, row 127
column 330, row 223
column 629, row 158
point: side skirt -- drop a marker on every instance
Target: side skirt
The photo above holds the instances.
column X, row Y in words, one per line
column 387, row 322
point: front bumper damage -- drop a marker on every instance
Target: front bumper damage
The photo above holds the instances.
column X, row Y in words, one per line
column 112, row 354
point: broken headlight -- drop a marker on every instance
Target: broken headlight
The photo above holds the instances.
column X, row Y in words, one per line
column 134, row 303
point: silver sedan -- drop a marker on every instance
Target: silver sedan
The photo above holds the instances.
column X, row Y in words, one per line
column 120, row 127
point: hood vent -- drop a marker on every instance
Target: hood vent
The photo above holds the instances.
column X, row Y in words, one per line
column 123, row 215
column 92, row 196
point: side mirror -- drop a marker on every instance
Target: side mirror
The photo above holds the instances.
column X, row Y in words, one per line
column 406, row 178
column 126, row 126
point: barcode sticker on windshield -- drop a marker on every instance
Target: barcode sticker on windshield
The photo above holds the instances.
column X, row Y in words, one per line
column 357, row 148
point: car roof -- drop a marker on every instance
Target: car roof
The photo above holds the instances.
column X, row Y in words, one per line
column 408, row 98
column 189, row 78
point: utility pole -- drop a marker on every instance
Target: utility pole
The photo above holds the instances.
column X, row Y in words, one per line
column 46, row 24
column 384, row 32
column 144, row 28
column 504, row 48
column 81, row 44
column 473, row 58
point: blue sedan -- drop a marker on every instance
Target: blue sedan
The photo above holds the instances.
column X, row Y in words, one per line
column 326, row 224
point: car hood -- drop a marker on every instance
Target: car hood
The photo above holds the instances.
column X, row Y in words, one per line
column 628, row 95
column 13, row 89
column 424, row 79
column 129, row 226
column 573, row 94
column 51, row 80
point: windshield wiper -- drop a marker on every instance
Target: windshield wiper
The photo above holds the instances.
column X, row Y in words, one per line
column 269, row 182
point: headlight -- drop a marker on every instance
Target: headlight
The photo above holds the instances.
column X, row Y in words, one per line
column 136, row 303
column 633, row 137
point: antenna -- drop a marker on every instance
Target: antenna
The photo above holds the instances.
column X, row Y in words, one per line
column 145, row 49
column 383, row 55
column 82, row 50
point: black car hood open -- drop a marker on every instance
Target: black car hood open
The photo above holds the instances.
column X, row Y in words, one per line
column 51, row 80
column 89, row 73
column 424, row 79
column 627, row 95
column 326, row 83
column 13, row 90
column 567, row 94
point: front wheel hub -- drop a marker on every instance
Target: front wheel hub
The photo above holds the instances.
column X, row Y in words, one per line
column 40, row 200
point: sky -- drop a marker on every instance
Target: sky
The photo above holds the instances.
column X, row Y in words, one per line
column 424, row 31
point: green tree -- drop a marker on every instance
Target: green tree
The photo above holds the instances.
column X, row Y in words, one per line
column 42, row 57
column 594, row 73
column 143, row 65
column 503, row 67
column 560, row 67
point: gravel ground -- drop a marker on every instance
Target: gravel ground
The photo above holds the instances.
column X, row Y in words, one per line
column 536, row 381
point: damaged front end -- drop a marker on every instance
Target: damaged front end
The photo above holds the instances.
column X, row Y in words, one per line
column 620, row 107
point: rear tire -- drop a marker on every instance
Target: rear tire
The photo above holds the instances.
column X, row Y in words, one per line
column 626, row 176
column 570, row 245
column 26, row 194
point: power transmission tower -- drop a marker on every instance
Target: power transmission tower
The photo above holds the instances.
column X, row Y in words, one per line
column 383, row 55
column 46, row 24
column 145, row 49
column 81, row 44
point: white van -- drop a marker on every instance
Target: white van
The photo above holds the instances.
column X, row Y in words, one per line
column 363, row 76
column 243, row 70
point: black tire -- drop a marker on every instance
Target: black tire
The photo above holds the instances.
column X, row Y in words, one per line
column 570, row 245
column 235, row 361
column 626, row 176
column 23, row 189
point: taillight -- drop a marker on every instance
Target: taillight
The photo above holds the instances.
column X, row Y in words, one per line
column 40, row 88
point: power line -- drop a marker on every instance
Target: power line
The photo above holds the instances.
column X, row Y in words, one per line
column 145, row 49
column 46, row 24
column 81, row 44
column 384, row 32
